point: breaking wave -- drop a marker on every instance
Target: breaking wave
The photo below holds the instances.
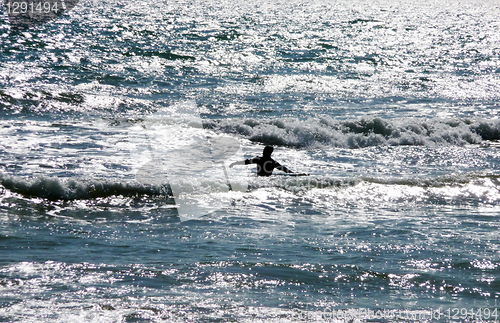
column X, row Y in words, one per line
column 324, row 181
column 55, row 189
column 59, row 189
column 326, row 131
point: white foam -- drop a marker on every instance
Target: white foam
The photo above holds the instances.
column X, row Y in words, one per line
column 326, row 131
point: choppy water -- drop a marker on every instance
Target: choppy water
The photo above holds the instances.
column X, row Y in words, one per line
column 391, row 107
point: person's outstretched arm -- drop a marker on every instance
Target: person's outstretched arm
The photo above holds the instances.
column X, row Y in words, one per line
column 284, row 169
column 241, row 162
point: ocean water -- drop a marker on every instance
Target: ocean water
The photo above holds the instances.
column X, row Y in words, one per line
column 119, row 120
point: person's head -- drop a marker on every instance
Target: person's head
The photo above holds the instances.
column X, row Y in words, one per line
column 268, row 150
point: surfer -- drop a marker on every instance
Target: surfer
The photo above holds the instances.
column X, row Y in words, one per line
column 265, row 164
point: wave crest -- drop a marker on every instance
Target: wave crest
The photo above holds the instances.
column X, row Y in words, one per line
column 57, row 189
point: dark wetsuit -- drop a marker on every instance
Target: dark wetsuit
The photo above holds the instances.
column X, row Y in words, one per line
column 266, row 165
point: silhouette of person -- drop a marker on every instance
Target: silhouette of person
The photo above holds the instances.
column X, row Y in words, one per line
column 265, row 164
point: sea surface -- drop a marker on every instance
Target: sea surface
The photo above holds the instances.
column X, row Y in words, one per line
column 119, row 119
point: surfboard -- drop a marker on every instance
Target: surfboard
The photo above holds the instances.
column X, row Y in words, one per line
column 284, row 174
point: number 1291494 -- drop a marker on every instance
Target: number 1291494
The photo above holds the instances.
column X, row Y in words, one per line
column 33, row 7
